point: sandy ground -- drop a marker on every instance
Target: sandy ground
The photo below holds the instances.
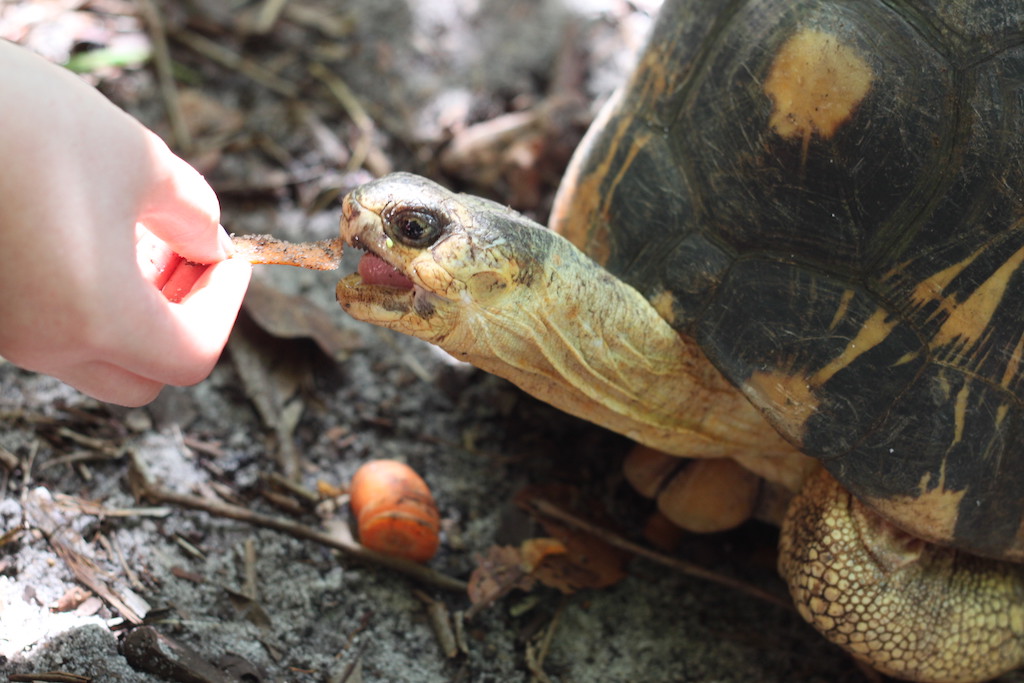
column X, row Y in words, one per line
column 264, row 603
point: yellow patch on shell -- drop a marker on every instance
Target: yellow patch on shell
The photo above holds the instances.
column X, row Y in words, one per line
column 966, row 321
column 930, row 514
column 931, row 288
column 816, row 83
column 872, row 333
column 787, row 398
column 969, row 319
column 665, row 304
column 1013, row 364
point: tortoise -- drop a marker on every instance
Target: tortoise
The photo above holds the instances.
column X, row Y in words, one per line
column 792, row 241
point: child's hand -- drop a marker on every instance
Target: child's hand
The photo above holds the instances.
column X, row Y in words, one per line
column 94, row 209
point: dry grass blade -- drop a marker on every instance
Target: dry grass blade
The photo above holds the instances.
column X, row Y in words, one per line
column 365, row 151
column 42, row 513
column 232, row 60
column 269, row 12
column 165, row 75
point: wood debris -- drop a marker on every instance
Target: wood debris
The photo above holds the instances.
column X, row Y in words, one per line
column 266, row 249
column 41, row 512
column 145, row 488
column 146, row 649
column 50, row 677
column 548, row 509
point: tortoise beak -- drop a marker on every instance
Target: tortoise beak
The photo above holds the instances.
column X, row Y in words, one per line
column 379, row 292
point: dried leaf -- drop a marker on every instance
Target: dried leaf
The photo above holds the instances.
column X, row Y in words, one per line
column 536, row 550
column 43, row 513
column 71, row 599
column 496, row 574
column 267, row 249
column 589, row 561
column 292, row 317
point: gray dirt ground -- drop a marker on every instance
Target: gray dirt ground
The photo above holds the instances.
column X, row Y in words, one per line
column 420, row 69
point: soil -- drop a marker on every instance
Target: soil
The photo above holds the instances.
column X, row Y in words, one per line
column 284, row 116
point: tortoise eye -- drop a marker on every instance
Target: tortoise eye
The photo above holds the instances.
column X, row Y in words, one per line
column 415, row 228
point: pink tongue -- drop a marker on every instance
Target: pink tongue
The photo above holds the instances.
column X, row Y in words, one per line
column 375, row 271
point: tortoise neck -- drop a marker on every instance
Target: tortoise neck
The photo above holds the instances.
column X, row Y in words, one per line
column 594, row 347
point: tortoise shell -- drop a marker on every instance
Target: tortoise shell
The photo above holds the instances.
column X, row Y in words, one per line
column 829, row 198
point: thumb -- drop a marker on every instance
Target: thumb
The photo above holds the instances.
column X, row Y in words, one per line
column 181, row 208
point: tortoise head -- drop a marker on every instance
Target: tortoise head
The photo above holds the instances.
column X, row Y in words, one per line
column 441, row 266
column 508, row 295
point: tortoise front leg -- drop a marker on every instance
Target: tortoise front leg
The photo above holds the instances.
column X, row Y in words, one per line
column 909, row 608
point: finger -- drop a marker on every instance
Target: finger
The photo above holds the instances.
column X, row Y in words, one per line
column 180, row 342
column 210, row 309
column 182, row 280
column 181, row 208
column 157, row 262
column 111, row 384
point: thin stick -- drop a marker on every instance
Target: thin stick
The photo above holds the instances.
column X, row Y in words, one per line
column 321, row 255
column 165, row 75
column 690, row 569
column 155, row 493
column 269, row 12
column 50, row 677
column 232, row 60
column 365, row 151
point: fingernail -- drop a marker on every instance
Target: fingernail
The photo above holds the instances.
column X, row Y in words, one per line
column 225, row 242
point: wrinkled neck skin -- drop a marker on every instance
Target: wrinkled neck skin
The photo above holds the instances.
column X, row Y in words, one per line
column 568, row 332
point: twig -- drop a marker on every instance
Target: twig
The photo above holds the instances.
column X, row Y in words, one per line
column 535, row 655
column 43, row 514
column 82, row 506
column 8, row 459
column 441, row 623
column 269, row 12
column 690, row 569
column 365, row 151
column 301, row 492
column 133, row 576
column 83, row 440
column 51, row 677
column 145, row 488
column 232, row 60
column 77, row 458
column 165, row 75
column 250, row 588
column 265, row 249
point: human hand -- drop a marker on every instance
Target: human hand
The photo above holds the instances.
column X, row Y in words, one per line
column 97, row 219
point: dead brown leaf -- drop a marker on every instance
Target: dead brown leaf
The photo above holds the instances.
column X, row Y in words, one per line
column 496, row 575
column 292, row 317
column 588, row 561
column 71, row 599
